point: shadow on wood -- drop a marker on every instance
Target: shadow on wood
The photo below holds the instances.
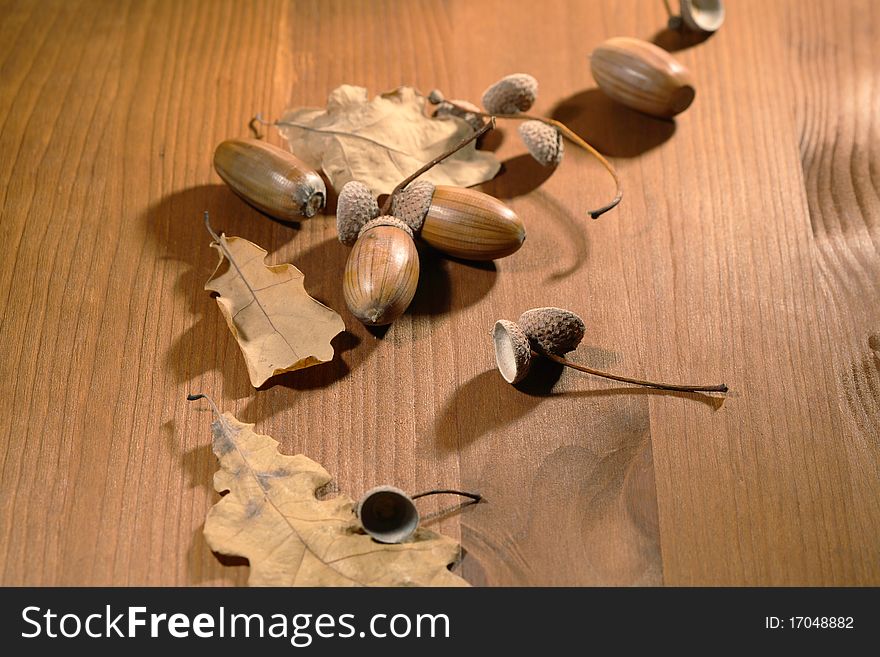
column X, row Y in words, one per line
column 675, row 40
column 612, row 128
column 518, row 176
column 448, row 284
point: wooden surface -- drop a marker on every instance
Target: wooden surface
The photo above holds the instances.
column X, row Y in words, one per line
column 746, row 250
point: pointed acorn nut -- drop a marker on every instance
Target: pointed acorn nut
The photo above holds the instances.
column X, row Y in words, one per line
column 552, row 330
column 271, row 179
column 355, row 207
column 543, row 141
column 511, row 94
column 382, row 272
column 642, row 76
column 460, row 222
column 513, row 354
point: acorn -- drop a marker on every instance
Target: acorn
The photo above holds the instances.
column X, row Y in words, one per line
column 511, row 94
column 388, row 514
column 552, row 330
column 382, row 272
column 549, row 333
column 271, row 179
column 460, row 222
column 642, row 76
column 543, row 141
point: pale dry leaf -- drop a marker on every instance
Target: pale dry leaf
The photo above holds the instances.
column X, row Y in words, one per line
column 278, row 326
column 271, row 516
column 381, row 141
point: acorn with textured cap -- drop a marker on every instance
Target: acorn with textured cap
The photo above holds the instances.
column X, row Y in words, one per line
column 460, row 222
column 511, row 94
column 549, row 333
column 271, row 179
column 543, row 141
column 382, row 272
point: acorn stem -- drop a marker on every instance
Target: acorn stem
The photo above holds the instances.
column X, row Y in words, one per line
column 476, row 497
column 386, row 207
column 200, row 395
column 625, row 379
column 569, row 134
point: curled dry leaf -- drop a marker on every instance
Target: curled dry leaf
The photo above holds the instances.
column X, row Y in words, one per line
column 381, row 141
column 271, row 516
column 278, row 326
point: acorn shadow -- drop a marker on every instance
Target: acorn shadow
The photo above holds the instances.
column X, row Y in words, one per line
column 447, row 284
column 612, row 128
column 518, row 176
column 675, row 40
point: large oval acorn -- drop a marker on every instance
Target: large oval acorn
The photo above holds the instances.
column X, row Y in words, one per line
column 460, row 222
column 382, row 272
column 642, row 76
column 270, row 179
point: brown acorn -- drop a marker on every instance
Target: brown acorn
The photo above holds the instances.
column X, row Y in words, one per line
column 382, row 272
column 642, row 76
column 271, row 179
column 461, row 222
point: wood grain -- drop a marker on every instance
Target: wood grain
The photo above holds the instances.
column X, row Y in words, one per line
column 746, row 250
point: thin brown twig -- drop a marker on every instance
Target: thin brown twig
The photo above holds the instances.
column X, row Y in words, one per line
column 625, row 379
column 386, row 207
column 569, row 134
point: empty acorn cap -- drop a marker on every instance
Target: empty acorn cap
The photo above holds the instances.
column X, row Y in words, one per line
column 702, row 15
column 411, row 204
column 387, row 220
column 355, row 207
column 511, row 94
column 543, row 141
column 513, row 355
column 388, row 514
column 552, row 330
column 463, row 110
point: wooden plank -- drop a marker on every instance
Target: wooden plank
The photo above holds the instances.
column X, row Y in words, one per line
column 745, row 250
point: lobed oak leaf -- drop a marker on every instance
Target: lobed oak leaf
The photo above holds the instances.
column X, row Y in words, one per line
column 271, row 516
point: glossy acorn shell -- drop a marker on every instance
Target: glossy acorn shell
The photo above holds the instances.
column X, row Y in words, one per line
column 642, row 76
column 465, row 223
column 271, row 179
column 381, row 275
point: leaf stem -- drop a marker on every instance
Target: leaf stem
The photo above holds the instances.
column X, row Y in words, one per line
column 386, row 207
column 200, row 395
column 569, row 134
column 476, row 497
column 625, row 379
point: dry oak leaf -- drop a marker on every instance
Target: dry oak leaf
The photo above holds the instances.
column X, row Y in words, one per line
column 278, row 326
column 381, row 141
column 271, row 516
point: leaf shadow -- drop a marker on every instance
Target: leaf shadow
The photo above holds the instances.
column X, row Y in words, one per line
column 612, row 128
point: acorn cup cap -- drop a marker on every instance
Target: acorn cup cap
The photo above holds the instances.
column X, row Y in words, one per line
column 552, row 330
column 411, row 205
column 543, row 141
column 388, row 514
column 513, row 355
column 703, row 16
column 356, row 206
column 386, row 220
column 511, row 94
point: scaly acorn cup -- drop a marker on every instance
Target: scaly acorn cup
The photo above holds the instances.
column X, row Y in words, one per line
column 544, row 142
column 354, row 208
column 271, row 179
column 549, row 332
column 382, row 272
column 511, row 94
column 460, row 222
column 642, row 76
